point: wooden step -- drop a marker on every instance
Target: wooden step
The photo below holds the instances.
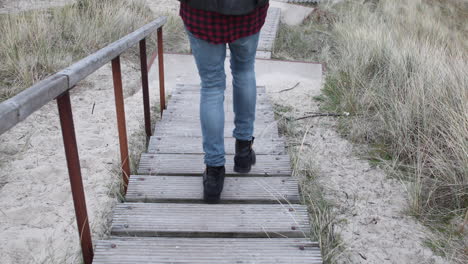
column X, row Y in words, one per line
column 228, row 97
column 163, row 250
column 192, row 128
column 193, row 165
column 189, row 189
column 210, row 220
column 187, row 106
column 192, row 145
column 177, row 116
column 195, row 88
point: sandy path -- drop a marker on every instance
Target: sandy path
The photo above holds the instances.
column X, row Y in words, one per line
column 369, row 205
column 37, row 220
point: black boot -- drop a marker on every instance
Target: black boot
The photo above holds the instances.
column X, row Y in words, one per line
column 245, row 156
column 213, row 183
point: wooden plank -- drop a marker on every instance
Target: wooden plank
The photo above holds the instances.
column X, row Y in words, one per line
column 183, row 130
column 227, row 96
column 210, row 220
column 19, row 107
column 193, row 165
column 191, row 145
column 185, row 88
column 189, row 189
column 163, row 250
column 269, row 30
column 229, row 116
column 90, row 64
column 187, row 106
column 192, row 128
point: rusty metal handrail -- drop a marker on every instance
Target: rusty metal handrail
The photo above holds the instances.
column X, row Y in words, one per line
column 58, row 86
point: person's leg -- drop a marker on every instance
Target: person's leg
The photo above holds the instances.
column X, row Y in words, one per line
column 245, row 96
column 244, row 85
column 210, row 63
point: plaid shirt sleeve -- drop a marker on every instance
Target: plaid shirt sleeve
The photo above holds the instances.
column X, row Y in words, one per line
column 217, row 28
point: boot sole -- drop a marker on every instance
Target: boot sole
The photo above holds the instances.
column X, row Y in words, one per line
column 247, row 169
column 211, row 199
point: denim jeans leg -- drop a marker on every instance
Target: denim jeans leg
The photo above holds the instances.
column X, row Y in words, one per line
column 210, row 63
column 244, row 85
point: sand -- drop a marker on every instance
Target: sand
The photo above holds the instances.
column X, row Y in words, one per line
column 369, row 205
column 37, row 219
column 37, row 222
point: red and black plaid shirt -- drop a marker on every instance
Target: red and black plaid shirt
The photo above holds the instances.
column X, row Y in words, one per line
column 218, row 28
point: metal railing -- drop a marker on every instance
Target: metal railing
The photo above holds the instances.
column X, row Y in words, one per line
column 58, row 86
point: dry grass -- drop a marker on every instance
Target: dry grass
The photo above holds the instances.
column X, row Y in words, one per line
column 401, row 69
column 323, row 217
column 35, row 44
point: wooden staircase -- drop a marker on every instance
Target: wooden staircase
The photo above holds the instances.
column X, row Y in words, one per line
column 164, row 220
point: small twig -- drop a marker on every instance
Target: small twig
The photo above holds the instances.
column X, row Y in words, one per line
column 3, row 213
column 92, row 111
column 465, row 223
column 362, row 256
column 319, row 115
column 289, row 89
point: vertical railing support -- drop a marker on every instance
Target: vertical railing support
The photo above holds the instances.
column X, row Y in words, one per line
column 120, row 109
column 145, row 87
column 74, row 172
column 162, row 93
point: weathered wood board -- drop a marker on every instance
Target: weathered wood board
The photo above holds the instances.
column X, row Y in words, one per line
column 187, row 88
column 164, row 219
column 192, row 128
column 228, row 116
column 163, row 250
column 193, row 145
column 208, row 220
column 193, row 165
column 189, row 189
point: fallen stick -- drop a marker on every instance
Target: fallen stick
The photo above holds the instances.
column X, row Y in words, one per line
column 319, row 115
column 289, row 89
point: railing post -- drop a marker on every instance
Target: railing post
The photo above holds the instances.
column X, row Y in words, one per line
column 145, row 87
column 162, row 93
column 74, row 172
column 120, row 109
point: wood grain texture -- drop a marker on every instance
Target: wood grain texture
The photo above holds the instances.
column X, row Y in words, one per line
column 19, row 107
column 228, row 96
column 176, row 116
column 193, row 145
column 184, row 88
column 269, row 30
column 193, row 165
column 192, row 128
column 164, row 220
column 190, row 106
column 207, row 251
column 90, row 64
column 189, row 189
column 208, row 220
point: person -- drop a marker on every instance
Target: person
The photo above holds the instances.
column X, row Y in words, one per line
column 211, row 25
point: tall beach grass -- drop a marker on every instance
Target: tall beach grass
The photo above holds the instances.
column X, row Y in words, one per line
column 401, row 69
column 35, row 44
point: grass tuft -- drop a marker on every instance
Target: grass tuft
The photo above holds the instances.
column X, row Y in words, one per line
column 323, row 217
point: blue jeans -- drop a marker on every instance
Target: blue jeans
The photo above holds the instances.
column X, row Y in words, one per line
column 210, row 63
